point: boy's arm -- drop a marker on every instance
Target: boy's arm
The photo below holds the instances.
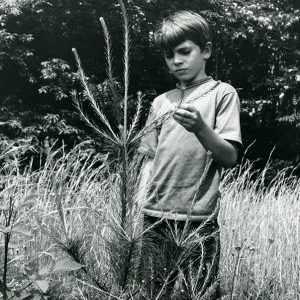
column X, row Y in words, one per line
column 223, row 151
column 144, row 180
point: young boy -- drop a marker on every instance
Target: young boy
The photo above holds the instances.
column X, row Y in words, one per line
column 186, row 153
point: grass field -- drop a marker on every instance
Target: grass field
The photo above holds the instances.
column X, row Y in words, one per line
column 260, row 237
column 63, row 237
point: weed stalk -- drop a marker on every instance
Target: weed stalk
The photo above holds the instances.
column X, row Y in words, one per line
column 9, row 216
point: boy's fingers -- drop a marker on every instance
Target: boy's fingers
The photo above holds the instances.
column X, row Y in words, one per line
column 183, row 112
column 182, row 119
column 188, row 107
column 187, row 126
column 183, row 123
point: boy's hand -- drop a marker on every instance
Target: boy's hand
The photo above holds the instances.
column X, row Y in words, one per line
column 189, row 117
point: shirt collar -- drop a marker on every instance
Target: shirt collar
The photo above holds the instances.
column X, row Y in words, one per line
column 183, row 87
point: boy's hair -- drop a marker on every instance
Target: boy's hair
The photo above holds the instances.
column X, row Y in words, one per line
column 181, row 26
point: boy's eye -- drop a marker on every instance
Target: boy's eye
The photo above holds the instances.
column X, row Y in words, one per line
column 185, row 52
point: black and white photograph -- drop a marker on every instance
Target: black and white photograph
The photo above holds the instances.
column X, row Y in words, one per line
column 150, row 150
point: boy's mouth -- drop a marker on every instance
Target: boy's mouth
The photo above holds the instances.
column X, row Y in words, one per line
column 180, row 70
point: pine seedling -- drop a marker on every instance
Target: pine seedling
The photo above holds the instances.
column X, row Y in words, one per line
column 123, row 233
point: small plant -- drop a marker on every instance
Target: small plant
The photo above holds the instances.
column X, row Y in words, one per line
column 15, row 206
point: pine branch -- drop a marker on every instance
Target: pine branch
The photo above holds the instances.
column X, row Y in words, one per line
column 109, row 59
column 91, row 98
column 136, row 117
column 126, row 64
column 87, row 120
column 167, row 115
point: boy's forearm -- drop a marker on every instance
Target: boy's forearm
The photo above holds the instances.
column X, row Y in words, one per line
column 223, row 152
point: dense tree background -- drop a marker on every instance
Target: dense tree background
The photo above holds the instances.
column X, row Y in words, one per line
column 256, row 48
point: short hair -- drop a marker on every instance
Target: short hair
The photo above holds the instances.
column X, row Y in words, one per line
column 181, row 26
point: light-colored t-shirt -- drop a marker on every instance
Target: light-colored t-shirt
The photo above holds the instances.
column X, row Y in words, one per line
column 184, row 179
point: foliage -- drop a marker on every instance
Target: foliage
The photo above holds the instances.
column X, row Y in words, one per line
column 255, row 48
column 79, row 208
column 119, row 216
column 56, row 71
column 265, row 39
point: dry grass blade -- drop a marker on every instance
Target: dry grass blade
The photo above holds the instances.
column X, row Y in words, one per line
column 99, row 290
column 60, row 209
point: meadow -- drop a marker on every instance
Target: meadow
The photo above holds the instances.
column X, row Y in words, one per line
column 63, row 237
column 72, row 228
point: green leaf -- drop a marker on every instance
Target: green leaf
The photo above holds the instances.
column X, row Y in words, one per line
column 45, row 269
column 66, row 264
column 43, row 285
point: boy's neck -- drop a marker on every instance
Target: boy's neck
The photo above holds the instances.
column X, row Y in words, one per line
column 186, row 85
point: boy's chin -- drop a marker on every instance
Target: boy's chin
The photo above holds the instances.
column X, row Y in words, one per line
column 184, row 80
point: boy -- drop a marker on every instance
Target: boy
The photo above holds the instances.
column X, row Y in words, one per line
column 186, row 154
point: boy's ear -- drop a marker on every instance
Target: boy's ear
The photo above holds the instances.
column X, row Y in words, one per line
column 207, row 50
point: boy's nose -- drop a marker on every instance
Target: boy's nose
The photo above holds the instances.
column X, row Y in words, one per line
column 177, row 60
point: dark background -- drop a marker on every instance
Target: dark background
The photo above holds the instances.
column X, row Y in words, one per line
column 255, row 48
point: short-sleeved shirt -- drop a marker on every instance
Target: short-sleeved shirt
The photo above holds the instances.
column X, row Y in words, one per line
column 184, row 179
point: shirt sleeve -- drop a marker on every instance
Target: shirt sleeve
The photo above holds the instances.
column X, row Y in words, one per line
column 149, row 141
column 228, row 118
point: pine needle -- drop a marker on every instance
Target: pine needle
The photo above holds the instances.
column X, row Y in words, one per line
column 92, row 100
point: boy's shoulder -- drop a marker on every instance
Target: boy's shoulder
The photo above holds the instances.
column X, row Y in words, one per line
column 221, row 90
column 218, row 85
column 225, row 88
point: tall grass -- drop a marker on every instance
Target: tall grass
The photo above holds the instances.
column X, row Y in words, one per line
column 77, row 220
column 67, row 239
column 260, row 236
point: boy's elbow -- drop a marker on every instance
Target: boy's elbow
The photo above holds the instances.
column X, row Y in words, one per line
column 226, row 162
column 231, row 159
column 230, row 163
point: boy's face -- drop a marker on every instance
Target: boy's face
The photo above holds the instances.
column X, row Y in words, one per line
column 187, row 61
